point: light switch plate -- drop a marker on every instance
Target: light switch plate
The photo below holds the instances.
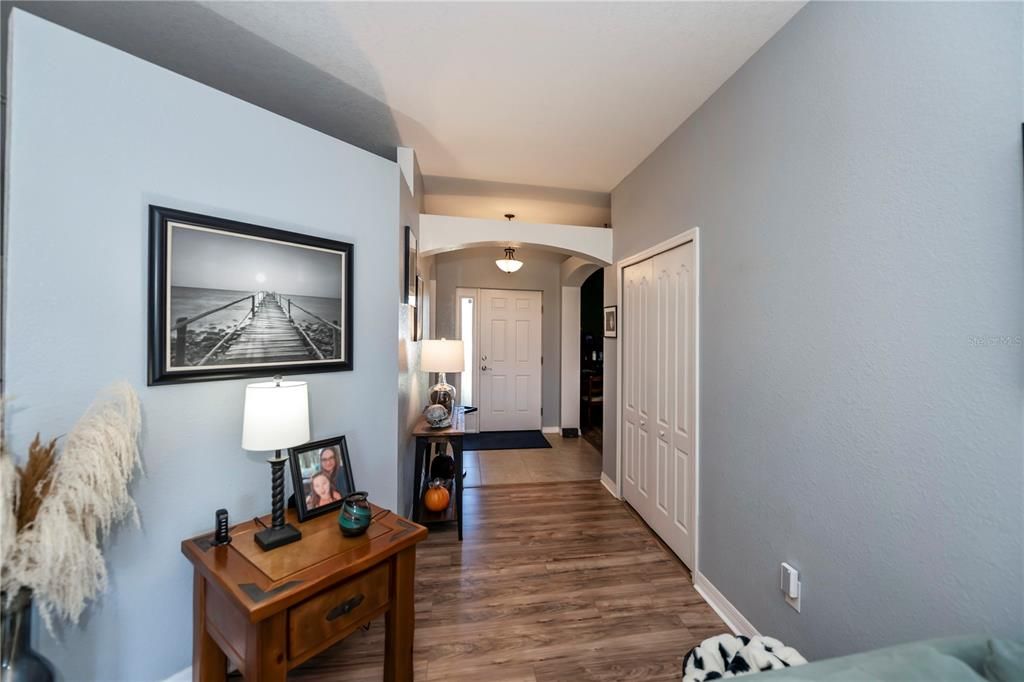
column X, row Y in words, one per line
column 789, row 573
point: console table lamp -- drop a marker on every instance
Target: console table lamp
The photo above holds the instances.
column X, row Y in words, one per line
column 442, row 355
column 276, row 417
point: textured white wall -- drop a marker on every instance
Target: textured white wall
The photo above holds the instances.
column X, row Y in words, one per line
column 526, row 210
column 442, row 234
column 858, row 188
column 96, row 136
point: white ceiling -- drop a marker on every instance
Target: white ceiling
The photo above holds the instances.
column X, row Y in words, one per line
column 555, row 94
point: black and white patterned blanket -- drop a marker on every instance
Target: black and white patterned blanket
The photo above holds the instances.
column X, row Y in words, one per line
column 729, row 656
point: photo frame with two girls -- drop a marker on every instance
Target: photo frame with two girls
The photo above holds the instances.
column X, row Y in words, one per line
column 321, row 476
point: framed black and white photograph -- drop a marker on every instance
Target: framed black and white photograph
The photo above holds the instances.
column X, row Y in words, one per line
column 611, row 322
column 229, row 300
column 417, row 333
column 321, row 476
column 411, row 259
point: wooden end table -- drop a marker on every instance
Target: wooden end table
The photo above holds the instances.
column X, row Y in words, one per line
column 270, row 611
column 450, row 435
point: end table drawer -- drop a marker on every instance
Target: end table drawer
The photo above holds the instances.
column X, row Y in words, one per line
column 336, row 610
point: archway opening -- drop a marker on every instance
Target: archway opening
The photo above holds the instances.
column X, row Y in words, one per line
column 592, row 358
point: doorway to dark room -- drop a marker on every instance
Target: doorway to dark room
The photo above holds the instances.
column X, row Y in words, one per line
column 592, row 358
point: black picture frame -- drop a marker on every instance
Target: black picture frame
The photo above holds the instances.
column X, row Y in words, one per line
column 610, row 322
column 417, row 334
column 328, row 337
column 343, row 482
column 411, row 257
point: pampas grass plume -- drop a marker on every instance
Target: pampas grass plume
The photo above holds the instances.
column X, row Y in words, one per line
column 57, row 554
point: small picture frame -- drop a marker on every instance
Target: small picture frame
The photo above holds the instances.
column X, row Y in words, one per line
column 417, row 333
column 411, row 260
column 321, row 476
column 611, row 321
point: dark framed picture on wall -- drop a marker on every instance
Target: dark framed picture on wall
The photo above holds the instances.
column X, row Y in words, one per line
column 417, row 333
column 411, row 258
column 611, row 322
column 321, row 476
column 229, row 300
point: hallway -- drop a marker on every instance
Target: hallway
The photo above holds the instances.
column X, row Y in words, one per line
column 552, row 582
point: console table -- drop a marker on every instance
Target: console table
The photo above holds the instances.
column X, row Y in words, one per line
column 270, row 611
column 450, row 435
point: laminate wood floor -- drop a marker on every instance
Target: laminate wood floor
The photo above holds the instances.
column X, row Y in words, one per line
column 554, row 581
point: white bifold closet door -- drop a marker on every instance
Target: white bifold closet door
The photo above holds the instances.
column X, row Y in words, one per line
column 658, row 355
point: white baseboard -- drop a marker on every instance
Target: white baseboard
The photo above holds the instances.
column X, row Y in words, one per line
column 736, row 621
column 609, row 485
column 551, row 429
column 181, row 676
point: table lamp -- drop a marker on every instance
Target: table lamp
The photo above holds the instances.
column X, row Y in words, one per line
column 276, row 417
column 442, row 355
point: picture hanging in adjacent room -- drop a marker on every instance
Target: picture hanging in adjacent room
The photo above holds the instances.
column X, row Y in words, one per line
column 230, row 300
column 417, row 334
column 611, row 322
column 321, row 476
column 411, row 260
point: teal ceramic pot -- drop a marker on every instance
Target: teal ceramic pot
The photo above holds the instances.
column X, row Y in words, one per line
column 355, row 515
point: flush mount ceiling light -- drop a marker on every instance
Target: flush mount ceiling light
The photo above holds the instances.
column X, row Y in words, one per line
column 509, row 264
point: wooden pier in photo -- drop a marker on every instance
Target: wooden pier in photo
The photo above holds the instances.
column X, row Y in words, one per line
column 267, row 333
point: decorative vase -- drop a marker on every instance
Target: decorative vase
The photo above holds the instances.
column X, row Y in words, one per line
column 18, row 662
column 355, row 514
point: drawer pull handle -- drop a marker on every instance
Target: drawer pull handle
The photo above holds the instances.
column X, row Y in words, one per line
column 345, row 607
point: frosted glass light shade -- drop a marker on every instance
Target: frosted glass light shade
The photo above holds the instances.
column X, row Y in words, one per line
column 509, row 263
column 276, row 415
column 442, row 355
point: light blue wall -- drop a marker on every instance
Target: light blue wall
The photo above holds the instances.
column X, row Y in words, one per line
column 96, row 136
column 412, row 383
column 858, row 186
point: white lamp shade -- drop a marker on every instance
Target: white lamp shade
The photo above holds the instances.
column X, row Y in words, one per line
column 442, row 355
column 276, row 415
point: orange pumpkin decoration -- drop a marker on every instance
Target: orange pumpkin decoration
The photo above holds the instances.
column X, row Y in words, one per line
column 436, row 496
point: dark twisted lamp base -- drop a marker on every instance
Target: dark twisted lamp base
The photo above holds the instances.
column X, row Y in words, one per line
column 279, row 533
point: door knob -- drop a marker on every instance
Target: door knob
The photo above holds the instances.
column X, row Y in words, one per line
column 661, row 434
column 484, row 368
column 484, row 358
column 643, row 423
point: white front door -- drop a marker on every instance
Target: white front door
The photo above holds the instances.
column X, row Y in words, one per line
column 510, row 360
column 659, row 336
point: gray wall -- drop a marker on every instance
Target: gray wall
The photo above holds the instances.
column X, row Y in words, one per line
column 540, row 272
column 858, row 188
column 79, row 189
